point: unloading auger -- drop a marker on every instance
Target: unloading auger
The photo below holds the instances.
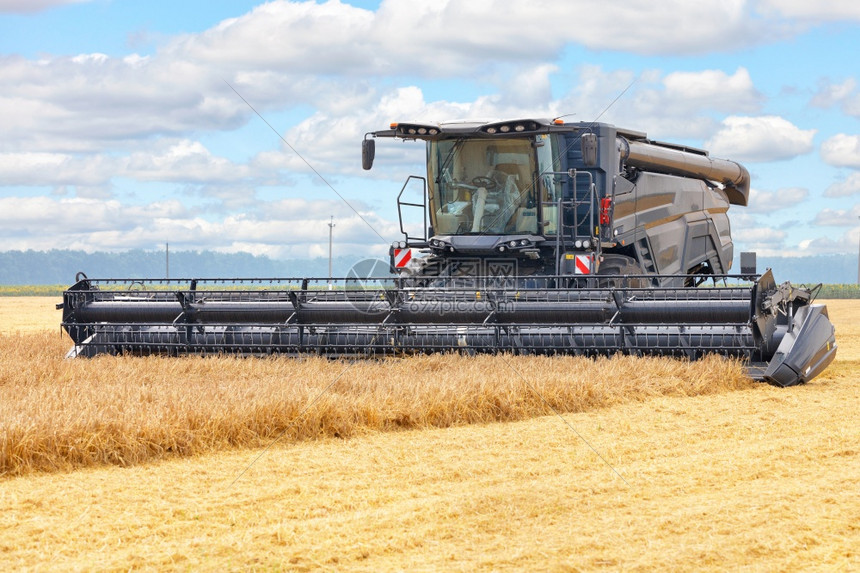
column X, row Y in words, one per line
column 529, row 237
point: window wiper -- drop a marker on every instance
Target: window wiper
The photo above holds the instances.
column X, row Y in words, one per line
column 450, row 156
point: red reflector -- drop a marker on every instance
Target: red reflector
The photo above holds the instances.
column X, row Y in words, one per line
column 605, row 206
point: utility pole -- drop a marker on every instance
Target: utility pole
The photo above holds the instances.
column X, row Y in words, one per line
column 167, row 260
column 858, row 256
column 330, row 228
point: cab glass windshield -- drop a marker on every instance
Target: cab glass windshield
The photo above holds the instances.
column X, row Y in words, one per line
column 481, row 186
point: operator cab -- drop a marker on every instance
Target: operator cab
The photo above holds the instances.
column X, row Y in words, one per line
column 494, row 189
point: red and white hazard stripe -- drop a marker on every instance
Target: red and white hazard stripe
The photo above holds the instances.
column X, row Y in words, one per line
column 402, row 257
column 583, row 265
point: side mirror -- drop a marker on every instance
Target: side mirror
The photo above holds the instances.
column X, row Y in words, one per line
column 588, row 144
column 368, row 152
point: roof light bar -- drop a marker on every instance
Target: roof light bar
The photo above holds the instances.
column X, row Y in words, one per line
column 524, row 126
column 414, row 129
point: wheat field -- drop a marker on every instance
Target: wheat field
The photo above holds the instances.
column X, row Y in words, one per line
column 58, row 415
column 653, row 477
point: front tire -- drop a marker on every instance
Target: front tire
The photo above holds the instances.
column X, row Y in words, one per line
column 614, row 272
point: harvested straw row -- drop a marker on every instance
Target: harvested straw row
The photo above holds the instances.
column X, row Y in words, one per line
column 58, row 414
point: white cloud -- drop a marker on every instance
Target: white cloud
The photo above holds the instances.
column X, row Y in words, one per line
column 530, row 87
column 770, row 201
column 183, row 161
column 34, row 168
column 844, row 95
column 25, row 6
column 842, row 150
column 88, row 103
column 594, row 89
column 849, row 186
column 447, row 37
column 282, row 229
column 761, row 138
column 712, row 89
column 302, row 37
column 331, row 144
column 816, row 12
column 667, row 106
column 330, row 56
column 829, row 94
column 769, row 241
column 845, row 243
column 31, row 215
column 759, row 238
column 636, row 26
column 78, row 123
column 839, row 217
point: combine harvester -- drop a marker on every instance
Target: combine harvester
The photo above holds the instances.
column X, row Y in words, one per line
column 534, row 237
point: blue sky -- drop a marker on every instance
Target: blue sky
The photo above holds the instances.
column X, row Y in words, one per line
column 119, row 130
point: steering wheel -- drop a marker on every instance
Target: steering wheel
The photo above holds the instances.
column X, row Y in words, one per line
column 461, row 185
column 487, row 183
